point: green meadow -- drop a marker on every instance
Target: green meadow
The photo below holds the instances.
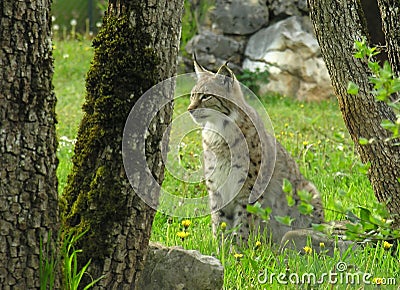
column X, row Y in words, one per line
column 314, row 133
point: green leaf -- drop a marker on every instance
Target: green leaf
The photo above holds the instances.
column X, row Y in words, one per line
column 360, row 48
column 285, row 220
column 339, row 136
column 305, row 195
column 396, row 234
column 373, row 51
column 362, row 141
column 374, row 66
column 267, row 210
column 354, row 228
column 386, row 71
column 351, row 236
column 290, row 200
column 364, row 213
column 323, row 228
column 266, row 213
column 287, row 186
column 377, row 220
column 352, row 88
column 368, row 226
column 352, row 217
column 254, row 209
column 305, row 208
column 396, row 85
column 387, row 124
column 94, row 282
column 358, row 54
column 385, row 232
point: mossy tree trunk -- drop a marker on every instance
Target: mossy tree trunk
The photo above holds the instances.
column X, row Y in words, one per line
column 337, row 24
column 135, row 49
column 28, row 183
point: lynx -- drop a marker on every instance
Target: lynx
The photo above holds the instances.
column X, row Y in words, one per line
column 244, row 164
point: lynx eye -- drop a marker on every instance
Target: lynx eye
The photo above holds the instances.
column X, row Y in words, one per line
column 206, row 97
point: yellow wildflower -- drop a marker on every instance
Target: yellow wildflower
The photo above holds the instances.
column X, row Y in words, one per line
column 307, row 250
column 186, row 223
column 182, row 235
column 377, row 281
column 305, row 143
column 223, row 226
column 258, row 244
column 322, row 245
column 238, row 256
column 387, row 245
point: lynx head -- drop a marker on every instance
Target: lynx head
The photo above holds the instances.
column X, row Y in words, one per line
column 218, row 92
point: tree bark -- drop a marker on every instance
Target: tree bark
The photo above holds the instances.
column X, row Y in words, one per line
column 28, row 182
column 337, row 24
column 136, row 48
column 390, row 14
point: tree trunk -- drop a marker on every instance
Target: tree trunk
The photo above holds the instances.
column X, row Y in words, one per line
column 136, row 48
column 28, row 182
column 390, row 14
column 337, row 24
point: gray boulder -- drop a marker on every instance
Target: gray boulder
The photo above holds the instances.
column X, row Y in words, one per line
column 290, row 52
column 240, row 17
column 173, row 268
column 213, row 50
column 287, row 7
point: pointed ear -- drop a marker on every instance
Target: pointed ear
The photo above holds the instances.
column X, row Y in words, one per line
column 227, row 73
column 198, row 68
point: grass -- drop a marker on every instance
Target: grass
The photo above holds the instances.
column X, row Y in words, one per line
column 72, row 60
column 313, row 133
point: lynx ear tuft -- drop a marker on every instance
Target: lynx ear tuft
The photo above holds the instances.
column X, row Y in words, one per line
column 198, row 68
column 225, row 70
column 227, row 73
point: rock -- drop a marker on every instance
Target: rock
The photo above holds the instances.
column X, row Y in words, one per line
column 288, row 48
column 298, row 239
column 290, row 52
column 212, row 50
column 170, row 268
column 287, row 7
column 240, row 17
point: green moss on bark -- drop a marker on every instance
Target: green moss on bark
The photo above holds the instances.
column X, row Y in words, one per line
column 124, row 67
